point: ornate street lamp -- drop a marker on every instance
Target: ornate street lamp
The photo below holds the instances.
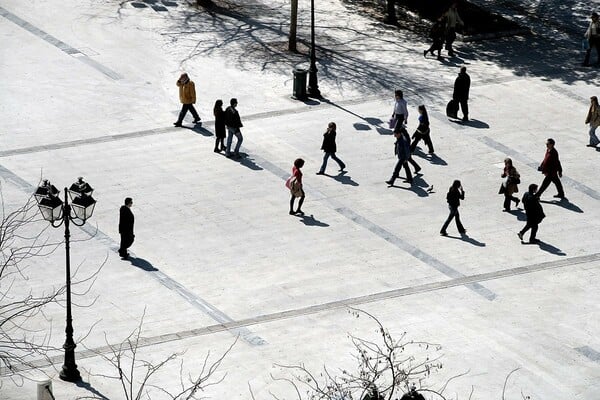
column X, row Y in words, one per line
column 313, row 84
column 56, row 212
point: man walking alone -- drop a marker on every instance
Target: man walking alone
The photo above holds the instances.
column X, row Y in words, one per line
column 187, row 96
column 462, row 84
column 233, row 123
column 552, row 170
column 126, row 227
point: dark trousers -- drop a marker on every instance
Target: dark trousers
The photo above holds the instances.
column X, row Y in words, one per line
column 534, row 229
column 334, row 157
column 398, row 167
column 453, row 215
column 415, row 166
column 300, row 202
column 184, row 109
column 417, row 138
column 126, row 242
column 546, row 182
column 594, row 44
column 449, row 39
column 507, row 199
column 464, row 107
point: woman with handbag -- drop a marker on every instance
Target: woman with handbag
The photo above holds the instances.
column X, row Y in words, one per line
column 294, row 183
column 593, row 118
column 509, row 186
column 422, row 131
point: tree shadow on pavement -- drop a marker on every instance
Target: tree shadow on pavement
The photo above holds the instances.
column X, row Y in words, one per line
column 142, row 264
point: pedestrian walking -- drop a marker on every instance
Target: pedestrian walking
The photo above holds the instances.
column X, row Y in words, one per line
column 452, row 22
column 187, row 97
column 410, row 159
column 400, row 113
column 329, row 147
column 454, row 196
column 402, row 152
column 423, row 131
column 294, row 184
column 552, row 170
column 462, row 84
column 592, row 35
column 219, row 126
column 126, row 227
column 436, row 34
column 593, row 118
column 534, row 213
column 233, row 123
column 510, row 185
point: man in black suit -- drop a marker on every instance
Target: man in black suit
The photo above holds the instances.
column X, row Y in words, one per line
column 126, row 227
column 462, row 84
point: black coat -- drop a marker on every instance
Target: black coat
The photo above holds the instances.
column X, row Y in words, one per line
column 329, row 145
column 125, row 221
column 454, row 197
column 232, row 118
column 219, row 123
column 462, row 84
column 533, row 208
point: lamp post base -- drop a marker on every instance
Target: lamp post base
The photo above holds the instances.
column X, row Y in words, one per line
column 313, row 86
column 70, row 374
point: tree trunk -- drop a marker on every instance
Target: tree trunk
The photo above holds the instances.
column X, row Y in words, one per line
column 293, row 26
column 391, row 12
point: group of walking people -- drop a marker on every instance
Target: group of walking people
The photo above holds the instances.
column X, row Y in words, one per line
column 443, row 32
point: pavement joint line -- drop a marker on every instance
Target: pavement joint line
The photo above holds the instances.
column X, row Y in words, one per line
column 333, row 305
column 59, row 44
column 165, row 280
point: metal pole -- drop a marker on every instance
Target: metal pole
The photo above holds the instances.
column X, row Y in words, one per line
column 313, row 85
column 69, row 371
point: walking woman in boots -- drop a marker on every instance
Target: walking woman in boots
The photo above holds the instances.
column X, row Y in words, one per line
column 509, row 186
column 294, row 183
column 454, row 196
column 329, row 147
column 422, row 131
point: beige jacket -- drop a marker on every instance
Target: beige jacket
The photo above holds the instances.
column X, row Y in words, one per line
column 593, row 117
column 187, row 92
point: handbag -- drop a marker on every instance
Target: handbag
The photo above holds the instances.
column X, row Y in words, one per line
column 502, row 189
column 295, row 187
column 392, row 122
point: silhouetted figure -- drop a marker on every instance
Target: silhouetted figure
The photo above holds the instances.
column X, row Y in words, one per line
column 329, row 147
column 422, row 132
column 533, row 211
column 462, row 85
column 402, row 152
column 126, row 227
column 552, row 170
column 437, row 34
column 233, row 123
column 219, row 126
column 592, row 34
column 454, row 196
column 452, row 22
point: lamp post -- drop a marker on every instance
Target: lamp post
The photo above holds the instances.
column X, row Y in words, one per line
column 313, row 84
column 56, row 212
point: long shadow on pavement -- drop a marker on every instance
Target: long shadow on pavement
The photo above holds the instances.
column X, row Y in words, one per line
column 87, row 386
column 565, row 203
column 343, row 179
column 310, row 220
column 142, row 264
column 466, row 238
column 547, row 247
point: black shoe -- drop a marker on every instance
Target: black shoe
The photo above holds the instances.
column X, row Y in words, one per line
column 217, row 150
column 465, row 119
column 390, row 182
column 517, row 202
column 559, row 196
column 440, row 58
column 320, row 173
column 520, row 235
column 463, row 232
column 342, row 168
column 292, row 212
column 408, row 181
column 197, row 121
column 425, row 53
column 417, row 170
column 443, row 233
column 237, row 156
column 177, row 124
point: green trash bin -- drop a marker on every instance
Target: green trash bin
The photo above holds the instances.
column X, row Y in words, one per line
column 299, row 84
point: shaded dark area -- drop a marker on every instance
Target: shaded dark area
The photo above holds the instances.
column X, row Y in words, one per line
column 466, row 238
column 87, row 386
column 310, row 220
column 564, row 203
column 142, row 264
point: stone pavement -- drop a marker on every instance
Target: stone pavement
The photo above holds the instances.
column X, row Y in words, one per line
column 88, row 90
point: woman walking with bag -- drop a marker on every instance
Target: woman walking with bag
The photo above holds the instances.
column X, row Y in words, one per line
column 400, row 114
column 593, row 118
column 329, row 147
column 454, row 196
column 219, row 126
column 294, row 183
column 509, row 186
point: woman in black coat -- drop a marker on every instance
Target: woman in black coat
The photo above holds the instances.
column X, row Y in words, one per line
column 219, row 126
column 454, row 196
column 329, row 147
column 533, row 211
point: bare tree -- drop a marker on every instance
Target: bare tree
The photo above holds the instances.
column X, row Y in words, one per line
column 385, row 369
column 22, row 241
column 293, row 26
column 135, row 374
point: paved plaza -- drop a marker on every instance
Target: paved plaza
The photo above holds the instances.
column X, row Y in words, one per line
column 87, row 88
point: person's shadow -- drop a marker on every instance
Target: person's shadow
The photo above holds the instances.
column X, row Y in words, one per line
column 432, row 158
column 198, row 129
column 419, row 186
column 519, row 213
column 472, row 123
column 343, row 178
column 310, row 220
column 564, row 203
column 466, row 238
column 547, row 247
column 142, row 264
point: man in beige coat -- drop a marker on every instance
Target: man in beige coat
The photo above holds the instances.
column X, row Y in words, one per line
column 187, row 96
